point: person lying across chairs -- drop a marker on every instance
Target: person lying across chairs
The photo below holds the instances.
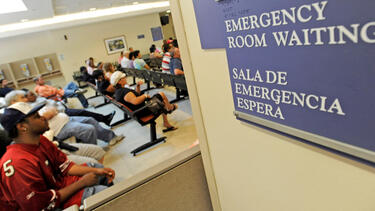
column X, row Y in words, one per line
column 133, row 100
column 34, row 100
column 35, row 174
column 50, row 92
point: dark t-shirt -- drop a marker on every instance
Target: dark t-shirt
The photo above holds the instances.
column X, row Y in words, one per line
column 120, row 94
column 175, row 64
column 102, row 87
column 4, row 91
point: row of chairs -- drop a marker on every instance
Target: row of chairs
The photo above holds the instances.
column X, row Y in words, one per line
column 130, row 114
column 157, row 77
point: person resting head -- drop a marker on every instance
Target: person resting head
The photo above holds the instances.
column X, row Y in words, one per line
column 134, row 100
column 103, row 85
column 15, row 96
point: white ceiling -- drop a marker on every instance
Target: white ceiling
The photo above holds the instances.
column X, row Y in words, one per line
column 41, row 9
column 62, row 7
column 36, row 9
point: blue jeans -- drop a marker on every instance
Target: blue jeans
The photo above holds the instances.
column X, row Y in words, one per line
column 101, row 185
column 86, row 130
column 69, row 91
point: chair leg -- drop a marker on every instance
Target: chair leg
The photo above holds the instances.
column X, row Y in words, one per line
column 154, row 140
column 126, row 118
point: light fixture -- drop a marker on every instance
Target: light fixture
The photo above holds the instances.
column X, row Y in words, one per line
column 82, row 16
column 24, row 20
column 11, row 6
column 92, row 9
column 135, row 3
column 168, row 11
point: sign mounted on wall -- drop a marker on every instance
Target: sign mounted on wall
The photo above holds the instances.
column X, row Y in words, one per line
column 300, row 67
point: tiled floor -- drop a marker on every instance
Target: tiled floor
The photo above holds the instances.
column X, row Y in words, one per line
column 119, row 157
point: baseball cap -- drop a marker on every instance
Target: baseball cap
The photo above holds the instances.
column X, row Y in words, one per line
column 116, row 76
column 16, row 113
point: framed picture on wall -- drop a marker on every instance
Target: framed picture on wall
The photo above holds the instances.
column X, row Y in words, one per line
column 115, row 44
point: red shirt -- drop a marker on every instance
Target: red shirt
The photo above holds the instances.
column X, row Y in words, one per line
column 31, row 176
column 49, row 92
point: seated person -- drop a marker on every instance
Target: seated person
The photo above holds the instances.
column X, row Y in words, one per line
column 4, row 89
column 90, row 65
column 35, row 174
column 166, row 59
column 35, row 100
column 176, row 64
column 126, row 62
column 121, row 57
column 85, row 75
column 108, row 69
column 50, row 92
column 133, row 100
column 131, row 60
column 103, row 85
column 139, row 63
column 85, row 129
column 154, row 53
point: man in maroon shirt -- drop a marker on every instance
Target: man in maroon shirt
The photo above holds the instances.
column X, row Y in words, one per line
column 35, row 174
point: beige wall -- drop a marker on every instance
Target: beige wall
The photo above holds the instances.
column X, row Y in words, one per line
column 83, row 41
column 256, row 169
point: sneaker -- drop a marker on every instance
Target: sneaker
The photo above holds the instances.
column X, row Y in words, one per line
column 116, row 140
column 80, row 91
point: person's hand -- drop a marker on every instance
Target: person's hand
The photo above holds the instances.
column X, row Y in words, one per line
column 90, row 179
column 107, row 172
column 139, row 83
column 147, row 96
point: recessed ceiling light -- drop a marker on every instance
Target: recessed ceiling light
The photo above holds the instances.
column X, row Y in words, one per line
column 24, row 20
column 135, row 2
column 168, row 11
column 92, row 9
column 10, row 6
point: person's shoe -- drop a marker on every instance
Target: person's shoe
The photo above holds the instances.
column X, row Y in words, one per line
column 109, row 117
column 80, row 91
column 116, row 140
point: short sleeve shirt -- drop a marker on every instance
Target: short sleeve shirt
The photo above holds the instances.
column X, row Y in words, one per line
column 175, row 64
column 139, row 64
column 31, row 176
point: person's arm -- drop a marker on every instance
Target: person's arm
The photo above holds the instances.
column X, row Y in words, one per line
column 79, row 170
column 86, row 181
column 110, row 89
column 147, row 67
column 131, row 98
column 178, row 71
column 138, row 88
column 48, row 112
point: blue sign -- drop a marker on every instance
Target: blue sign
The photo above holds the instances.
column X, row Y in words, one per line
column 306, row 68
column 157, row 33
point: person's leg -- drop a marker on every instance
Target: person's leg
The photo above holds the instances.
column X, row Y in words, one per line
column 82, row 112
column 168, row 106
column 83, row 100
column 83, row 132
column 102, row 133
column 89, row 150
column 69, row 89
column 78, row 159
column 166, row 122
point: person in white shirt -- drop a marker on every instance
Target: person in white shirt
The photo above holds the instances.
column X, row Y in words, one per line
column 90, row 65
column 125, row 62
